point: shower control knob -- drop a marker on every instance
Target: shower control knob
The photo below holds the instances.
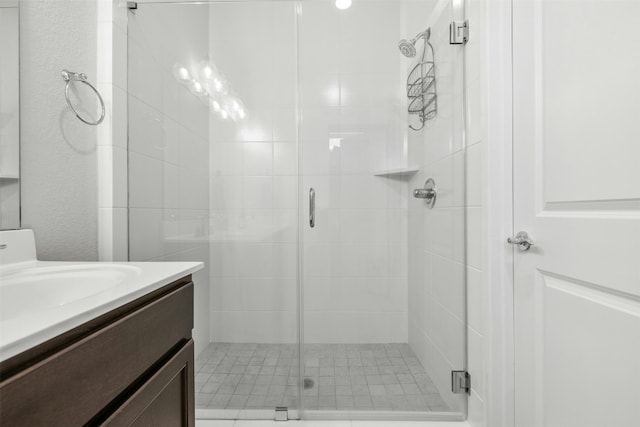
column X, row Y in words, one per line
column 429, row 193
column 421, row 193
column 522, row 239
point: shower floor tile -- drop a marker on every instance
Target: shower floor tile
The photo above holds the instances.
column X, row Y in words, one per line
column 337, row 376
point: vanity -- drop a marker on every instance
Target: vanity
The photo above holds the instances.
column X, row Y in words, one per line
column 94, row 343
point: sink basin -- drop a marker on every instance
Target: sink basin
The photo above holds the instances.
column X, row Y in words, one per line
column 40, row 300
column 30, row 289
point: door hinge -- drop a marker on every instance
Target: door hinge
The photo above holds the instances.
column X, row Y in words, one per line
column 282, row 413
column 460, row 382
column 459, row 32
column 132, row 5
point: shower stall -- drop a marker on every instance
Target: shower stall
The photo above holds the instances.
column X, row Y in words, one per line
column 312, row 154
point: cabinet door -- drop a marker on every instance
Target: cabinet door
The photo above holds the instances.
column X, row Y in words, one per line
column 165, row 399
column 94, row 366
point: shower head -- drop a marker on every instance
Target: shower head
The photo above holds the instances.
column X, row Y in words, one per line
column 407, row 48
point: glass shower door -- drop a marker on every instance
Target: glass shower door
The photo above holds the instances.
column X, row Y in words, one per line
column 237, row 110
column 383, row 274
column 254, row 299
column 213, row 178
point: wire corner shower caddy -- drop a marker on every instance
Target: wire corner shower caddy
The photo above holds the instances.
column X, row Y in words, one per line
column 421, row 81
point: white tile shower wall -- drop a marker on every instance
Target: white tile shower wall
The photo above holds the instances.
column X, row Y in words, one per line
column 168, row 146
column 253, row 164
column 438, row 262
column 351, row 93
column 355, row 258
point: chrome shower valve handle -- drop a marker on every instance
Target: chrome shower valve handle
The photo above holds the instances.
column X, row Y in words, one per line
column 522, row 239
column 428, row 193
column 423, row 193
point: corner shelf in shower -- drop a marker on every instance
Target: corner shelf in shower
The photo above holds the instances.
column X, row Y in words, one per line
column 9, row 177
column 397, row 172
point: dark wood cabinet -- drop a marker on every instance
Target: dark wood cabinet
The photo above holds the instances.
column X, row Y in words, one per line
column 164, row 400
column 131, row 366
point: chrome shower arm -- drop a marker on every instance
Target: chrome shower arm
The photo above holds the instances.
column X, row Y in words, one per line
column 426, row 34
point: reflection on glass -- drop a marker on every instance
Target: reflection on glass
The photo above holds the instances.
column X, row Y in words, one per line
column 213, row 89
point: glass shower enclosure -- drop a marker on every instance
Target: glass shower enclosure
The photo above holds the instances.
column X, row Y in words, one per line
column 288, row 145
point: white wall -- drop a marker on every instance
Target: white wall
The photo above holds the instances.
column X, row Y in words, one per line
column 168, row 146
column 59, row 190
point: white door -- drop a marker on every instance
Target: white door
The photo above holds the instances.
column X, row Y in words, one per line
column 577, row 193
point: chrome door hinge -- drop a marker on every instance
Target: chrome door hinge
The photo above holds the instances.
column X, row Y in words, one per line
column 460, row 382
column 282, row 413
column 459, row 32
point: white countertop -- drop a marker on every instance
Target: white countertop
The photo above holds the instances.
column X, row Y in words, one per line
column 33, row 327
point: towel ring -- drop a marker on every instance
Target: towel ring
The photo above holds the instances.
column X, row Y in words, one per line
column 69, row 77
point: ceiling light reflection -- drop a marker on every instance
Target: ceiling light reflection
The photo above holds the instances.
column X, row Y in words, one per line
column 212, row 89
column 181, row 73
column 197, row 87
column 332, row 95
column 343, row 4
column 207, row 71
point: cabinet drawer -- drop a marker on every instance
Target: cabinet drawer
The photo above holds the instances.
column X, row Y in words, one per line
column 71, row 386
column 164, row 400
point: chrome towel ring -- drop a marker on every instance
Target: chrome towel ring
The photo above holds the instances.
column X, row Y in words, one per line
column 69, row 77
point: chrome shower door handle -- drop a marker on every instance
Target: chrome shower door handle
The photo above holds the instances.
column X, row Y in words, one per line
column 312, row 207
column 522, row 239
